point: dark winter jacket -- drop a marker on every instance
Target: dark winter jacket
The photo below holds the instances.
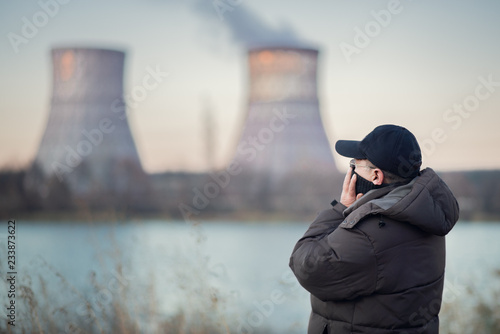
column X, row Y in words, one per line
column 378, row 266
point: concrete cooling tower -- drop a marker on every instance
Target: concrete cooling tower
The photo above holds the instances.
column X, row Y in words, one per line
column 87, row 142
column 283, row 123
column 284, row 150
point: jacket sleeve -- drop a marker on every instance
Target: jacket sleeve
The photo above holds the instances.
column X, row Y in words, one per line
column 334, row 263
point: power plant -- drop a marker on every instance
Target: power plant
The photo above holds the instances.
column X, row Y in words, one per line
column 283, row 155
column 87, row 143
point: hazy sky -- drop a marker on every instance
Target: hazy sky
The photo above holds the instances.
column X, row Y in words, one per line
column 431, row 66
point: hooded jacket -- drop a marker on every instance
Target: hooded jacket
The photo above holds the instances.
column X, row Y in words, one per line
column 378, row 266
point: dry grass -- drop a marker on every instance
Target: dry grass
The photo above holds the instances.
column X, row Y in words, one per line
column 473, row 312
column 46, row 302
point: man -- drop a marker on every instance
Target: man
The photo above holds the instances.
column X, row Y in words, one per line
column 374, row 263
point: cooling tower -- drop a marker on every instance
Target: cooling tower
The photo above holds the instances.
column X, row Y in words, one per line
column 87, row 142
column 283, row 125
column 284, row 150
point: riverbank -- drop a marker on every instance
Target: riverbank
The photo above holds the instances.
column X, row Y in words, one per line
column 247, row 216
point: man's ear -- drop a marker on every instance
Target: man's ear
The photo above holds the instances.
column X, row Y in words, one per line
column 378, row 177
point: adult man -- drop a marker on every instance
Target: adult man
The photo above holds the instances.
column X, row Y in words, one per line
column 374, row 263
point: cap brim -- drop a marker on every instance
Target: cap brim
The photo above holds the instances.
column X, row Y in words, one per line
column 349, row 148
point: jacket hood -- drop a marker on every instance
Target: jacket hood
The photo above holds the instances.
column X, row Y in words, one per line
column 425, row 202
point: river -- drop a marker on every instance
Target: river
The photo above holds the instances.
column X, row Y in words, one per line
column 234, row 272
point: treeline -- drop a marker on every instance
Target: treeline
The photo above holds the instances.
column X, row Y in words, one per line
column 211, row 195
column 477, row 192
column 188, row 196
column 22, row 193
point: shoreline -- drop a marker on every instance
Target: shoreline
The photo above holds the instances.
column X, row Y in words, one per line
column 241, row 216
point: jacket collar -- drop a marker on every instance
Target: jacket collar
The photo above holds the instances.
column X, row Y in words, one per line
column 375, row 201
column 425, row 202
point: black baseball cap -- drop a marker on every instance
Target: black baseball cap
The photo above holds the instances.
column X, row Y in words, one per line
column 389, row 147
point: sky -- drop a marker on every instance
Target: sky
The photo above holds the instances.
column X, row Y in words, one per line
column 430, row 66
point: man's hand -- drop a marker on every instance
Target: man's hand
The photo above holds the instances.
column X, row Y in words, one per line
column 348, row 195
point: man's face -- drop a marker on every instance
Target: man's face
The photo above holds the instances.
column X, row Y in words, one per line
column 364, row 169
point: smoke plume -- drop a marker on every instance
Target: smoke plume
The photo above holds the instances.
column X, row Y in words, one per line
column 245, row 26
